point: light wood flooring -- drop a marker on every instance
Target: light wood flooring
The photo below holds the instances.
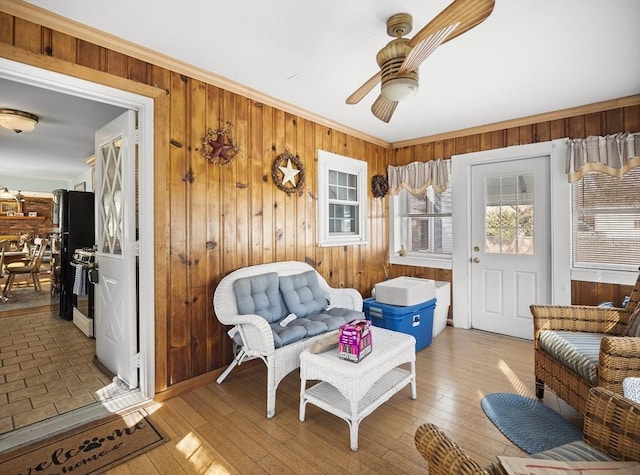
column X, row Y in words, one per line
column 223, row 429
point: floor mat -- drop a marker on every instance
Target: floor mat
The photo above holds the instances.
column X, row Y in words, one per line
column 91, row 448
column 528, row 423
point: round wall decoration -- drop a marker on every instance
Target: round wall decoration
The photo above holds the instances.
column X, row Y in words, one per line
column 379, row 186
column 288, row 178
column 219, row 147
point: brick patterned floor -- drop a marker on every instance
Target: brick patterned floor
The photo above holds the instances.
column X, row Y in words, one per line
column 46, row 369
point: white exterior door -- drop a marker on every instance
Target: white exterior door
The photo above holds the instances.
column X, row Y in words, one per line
column 116, row 312
column 511, row 244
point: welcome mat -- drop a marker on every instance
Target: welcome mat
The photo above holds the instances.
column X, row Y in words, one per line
column 528, row 423
column 92, row 448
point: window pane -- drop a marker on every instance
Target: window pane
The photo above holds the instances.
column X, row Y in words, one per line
column 333, row 177
column 509, row 214
column 423, row 223
column 343, row 219
column 606, row 221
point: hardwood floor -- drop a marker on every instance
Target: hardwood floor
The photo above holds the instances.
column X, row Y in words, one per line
column 223, row 428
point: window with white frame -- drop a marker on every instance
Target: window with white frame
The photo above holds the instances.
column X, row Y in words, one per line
column 342, row 205
column 421, row 231
column 606, row 221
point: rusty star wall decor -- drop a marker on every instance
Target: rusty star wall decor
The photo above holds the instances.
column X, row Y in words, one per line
column 219, row 147
column 288, row 179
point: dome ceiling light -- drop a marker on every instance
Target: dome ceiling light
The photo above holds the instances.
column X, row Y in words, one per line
column 17, row 121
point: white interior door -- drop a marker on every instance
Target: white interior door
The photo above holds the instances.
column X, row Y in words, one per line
column 511, row 244
column 115, row 307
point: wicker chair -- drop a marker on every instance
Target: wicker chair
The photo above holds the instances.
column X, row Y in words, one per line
column 619, row 356
column 611, row 426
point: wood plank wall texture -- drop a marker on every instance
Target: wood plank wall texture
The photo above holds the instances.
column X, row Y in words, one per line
column 211, row 220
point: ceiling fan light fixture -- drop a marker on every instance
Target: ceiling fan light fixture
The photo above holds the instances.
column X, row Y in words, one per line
column 17, row 121
column 400, row 89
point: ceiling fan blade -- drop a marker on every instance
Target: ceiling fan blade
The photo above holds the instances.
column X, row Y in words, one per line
column 468, row 13
column 364, row 89
column 384, row 108
column 423, row 49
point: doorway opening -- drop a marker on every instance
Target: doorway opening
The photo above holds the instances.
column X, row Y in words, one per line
column 144, row 106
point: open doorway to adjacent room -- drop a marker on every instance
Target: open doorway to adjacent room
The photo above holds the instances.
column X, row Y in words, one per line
column 49, row 379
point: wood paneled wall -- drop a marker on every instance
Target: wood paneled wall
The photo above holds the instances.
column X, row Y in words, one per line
column 620, row 119
column 210, row 220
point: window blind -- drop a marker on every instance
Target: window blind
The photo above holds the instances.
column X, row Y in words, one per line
column 606, row 221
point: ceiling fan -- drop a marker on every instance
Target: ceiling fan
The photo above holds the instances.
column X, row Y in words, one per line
column 400, row 59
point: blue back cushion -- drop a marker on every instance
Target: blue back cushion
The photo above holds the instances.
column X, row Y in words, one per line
column 302, row 293
column 260, row 295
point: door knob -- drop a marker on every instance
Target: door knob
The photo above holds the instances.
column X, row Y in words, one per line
column 476, row 248
column 476, row 259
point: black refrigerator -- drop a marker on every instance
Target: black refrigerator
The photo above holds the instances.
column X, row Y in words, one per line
column 73, row 229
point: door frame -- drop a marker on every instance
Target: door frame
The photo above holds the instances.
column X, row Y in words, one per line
column 559, row 216
column 144, row 106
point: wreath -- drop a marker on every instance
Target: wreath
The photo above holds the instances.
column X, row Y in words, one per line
column 219, row 147
column 379, row 186
column 285, row 176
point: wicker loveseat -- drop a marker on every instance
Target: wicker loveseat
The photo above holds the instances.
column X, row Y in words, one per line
column 258, row 302
column 580, row 347
column 611, row 432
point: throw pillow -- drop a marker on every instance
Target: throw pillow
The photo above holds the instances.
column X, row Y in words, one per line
column 302, row 293
column 633, row 327
column 260, row 295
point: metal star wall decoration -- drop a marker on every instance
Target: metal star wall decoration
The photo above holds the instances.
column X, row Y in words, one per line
column 285, row 177
column 219, row 147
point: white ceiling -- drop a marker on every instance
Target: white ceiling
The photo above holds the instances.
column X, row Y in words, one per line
column 63, row 139
column 529, row 57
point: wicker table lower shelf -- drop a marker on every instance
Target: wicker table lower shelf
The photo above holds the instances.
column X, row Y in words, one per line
column 352, row 391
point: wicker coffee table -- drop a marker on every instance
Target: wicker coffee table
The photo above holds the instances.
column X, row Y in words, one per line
column 351, row 390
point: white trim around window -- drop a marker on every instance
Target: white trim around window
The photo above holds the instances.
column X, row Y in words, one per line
column 342, row 200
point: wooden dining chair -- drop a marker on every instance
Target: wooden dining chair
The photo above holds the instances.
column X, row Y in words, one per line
column 31, row 268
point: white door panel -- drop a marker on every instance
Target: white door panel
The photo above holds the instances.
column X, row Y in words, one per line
column 511, row 242
column 116, row 313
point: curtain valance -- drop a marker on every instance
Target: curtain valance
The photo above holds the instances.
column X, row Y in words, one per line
column 613, row 154
column 418, row 176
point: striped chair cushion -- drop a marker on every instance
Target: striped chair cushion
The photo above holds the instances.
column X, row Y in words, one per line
column 573, row 452
column 575, row 350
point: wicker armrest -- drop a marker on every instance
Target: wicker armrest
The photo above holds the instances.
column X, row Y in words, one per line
column 443, row 456
column 612, row 424
column 345, row 298
column 619, row 359
column 579, row 318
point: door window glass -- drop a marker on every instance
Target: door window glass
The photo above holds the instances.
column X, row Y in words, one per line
column 509, row 214
column 110, row 216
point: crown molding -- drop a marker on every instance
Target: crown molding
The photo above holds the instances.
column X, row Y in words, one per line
column 29, row 12
column 528, row 120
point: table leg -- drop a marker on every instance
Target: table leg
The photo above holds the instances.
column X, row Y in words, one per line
column 303, row 400
column 353, row 426
column 414, row 391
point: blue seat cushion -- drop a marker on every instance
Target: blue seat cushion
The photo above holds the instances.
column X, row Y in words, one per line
column 260, row 295
column 283, row 336
column 302, row 293
column 576, row 350
column 306, row 327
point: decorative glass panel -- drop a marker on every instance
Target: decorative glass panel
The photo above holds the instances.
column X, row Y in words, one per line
column 110, row 213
